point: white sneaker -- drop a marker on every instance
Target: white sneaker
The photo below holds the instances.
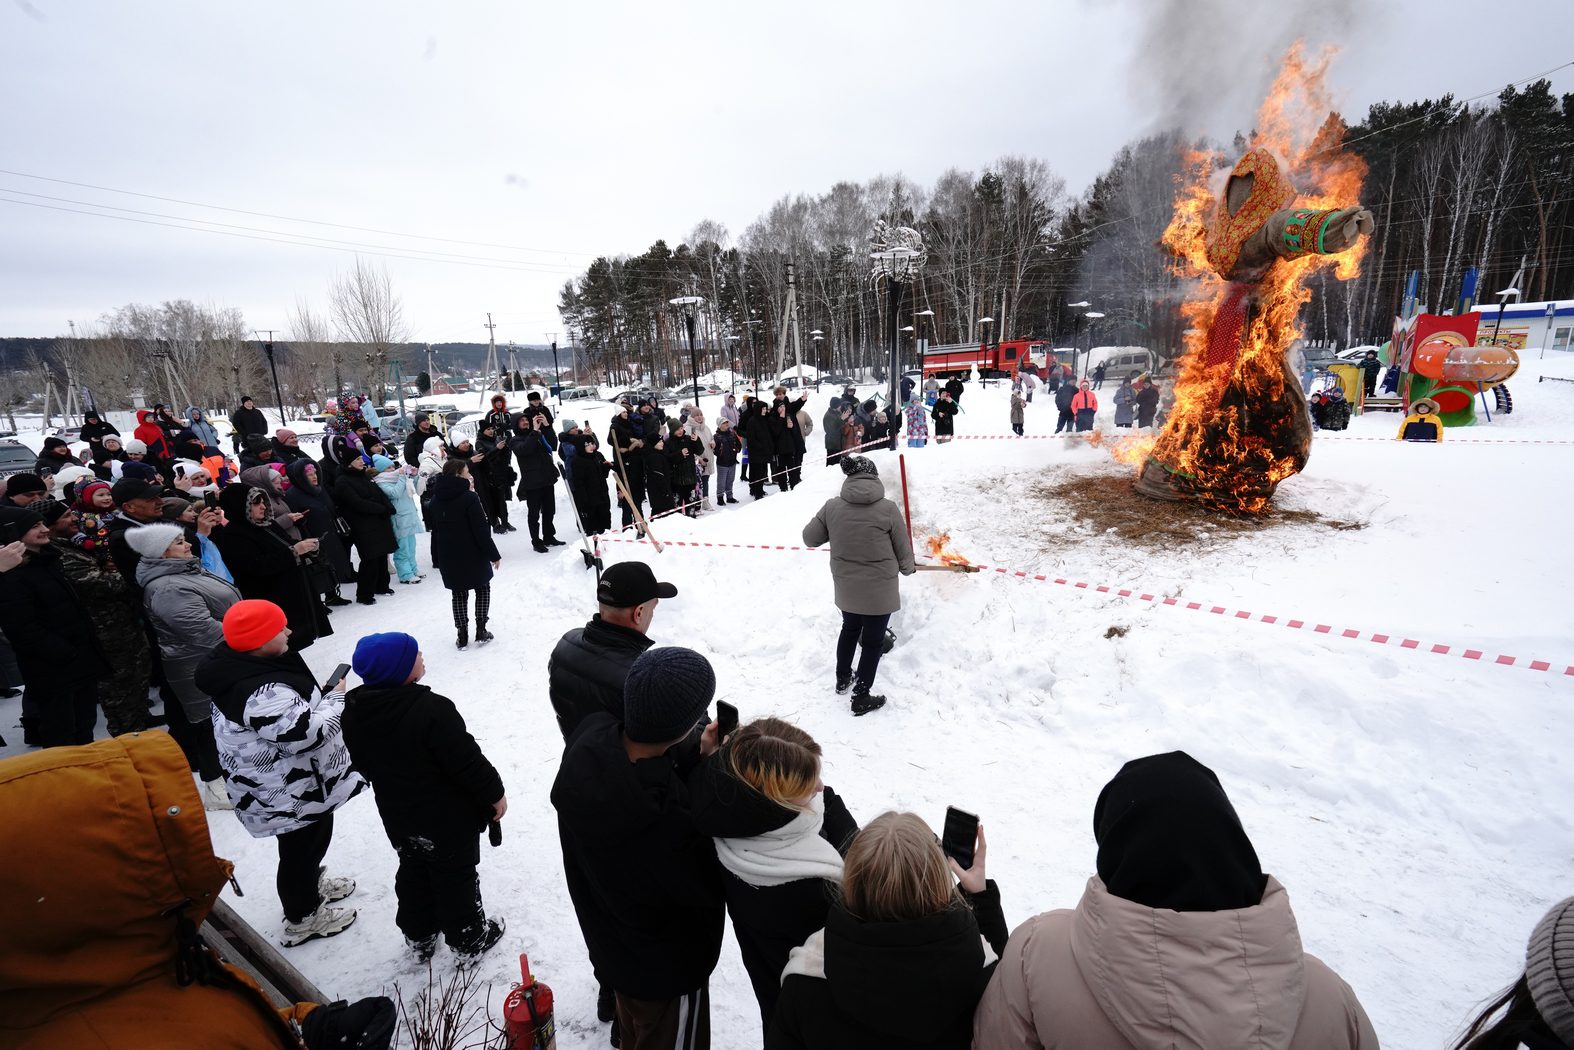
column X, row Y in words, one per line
column 324, row 922
column 334, row 888
column 215, row 796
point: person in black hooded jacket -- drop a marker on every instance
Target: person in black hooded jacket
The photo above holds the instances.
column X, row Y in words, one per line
column 308, row 495
column 370, row 514
column 94, row 430
column 779, row 832
column 658, row 475
column 900, row 962
column 493, row 474
column 266, row 565
column 591, row 497
column 463, row 551
column 55, row 455
column 533, row 443
column 435, row 792
column 760, row 446
column 643, row 877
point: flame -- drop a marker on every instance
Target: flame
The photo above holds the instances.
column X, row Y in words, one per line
column 939, row 548
column 1228, row 447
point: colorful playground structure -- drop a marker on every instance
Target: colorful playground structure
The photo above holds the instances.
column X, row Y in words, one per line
column 1442, row 358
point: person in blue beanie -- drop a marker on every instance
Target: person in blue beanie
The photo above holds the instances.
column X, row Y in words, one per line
column 435, row 792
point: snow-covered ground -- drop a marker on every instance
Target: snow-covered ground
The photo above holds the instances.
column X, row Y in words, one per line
column 1417, row 806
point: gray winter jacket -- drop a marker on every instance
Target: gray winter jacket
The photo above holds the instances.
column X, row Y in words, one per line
column 869, row 546
column 1125, row 402
column 186, row 607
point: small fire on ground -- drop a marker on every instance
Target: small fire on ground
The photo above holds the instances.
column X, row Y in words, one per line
column 940, row 549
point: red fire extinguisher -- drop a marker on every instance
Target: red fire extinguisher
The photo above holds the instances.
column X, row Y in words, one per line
column 527, row 1013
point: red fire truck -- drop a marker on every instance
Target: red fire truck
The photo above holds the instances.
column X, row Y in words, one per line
column 991, row 359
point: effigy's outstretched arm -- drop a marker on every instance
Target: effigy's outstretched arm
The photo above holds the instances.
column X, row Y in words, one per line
column 1296, row 232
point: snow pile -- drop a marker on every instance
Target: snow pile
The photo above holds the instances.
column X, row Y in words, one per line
column 1412, row 804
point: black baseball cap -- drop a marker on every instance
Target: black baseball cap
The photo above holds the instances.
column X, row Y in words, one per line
column 631, row 583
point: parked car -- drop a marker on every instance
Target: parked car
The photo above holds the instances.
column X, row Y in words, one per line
column 686, row 391
column 578, row 393
column 16, row 458
column 832, row 379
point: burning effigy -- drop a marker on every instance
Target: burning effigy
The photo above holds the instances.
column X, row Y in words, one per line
column 1240, row 423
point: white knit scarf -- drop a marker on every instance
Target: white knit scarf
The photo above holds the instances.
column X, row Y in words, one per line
column 791, row 852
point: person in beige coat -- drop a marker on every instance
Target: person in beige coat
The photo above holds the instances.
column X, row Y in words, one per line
column 869, row 547
column 1179, row 942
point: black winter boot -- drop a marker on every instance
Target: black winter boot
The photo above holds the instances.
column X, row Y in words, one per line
column 482, row 635
column 863, row 702
column 464, row 639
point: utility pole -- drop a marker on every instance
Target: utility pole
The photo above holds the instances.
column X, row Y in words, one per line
column 790, row 326
column 491, row 357
column 557, row 373
column 278, row 393
column 431, row 377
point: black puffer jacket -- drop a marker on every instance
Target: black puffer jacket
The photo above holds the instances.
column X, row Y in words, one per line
column 462, row 546
column 533, row 449
column 322, row 517
column 895, row 985
column 591, row 496
column 759, row 434
column 368, row 510
column 587, row 669
column 44, row 620
column 769, row 921
column 644, row 879
column 430, row 777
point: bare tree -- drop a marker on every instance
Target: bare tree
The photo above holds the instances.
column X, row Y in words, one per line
column 368, row 313
column 315, row 363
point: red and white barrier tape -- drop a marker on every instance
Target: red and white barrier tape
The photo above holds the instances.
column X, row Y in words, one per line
column 1312, row 627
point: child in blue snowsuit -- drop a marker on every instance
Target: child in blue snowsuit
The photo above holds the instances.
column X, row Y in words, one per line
column 395, row 483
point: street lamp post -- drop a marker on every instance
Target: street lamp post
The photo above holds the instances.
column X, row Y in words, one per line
column 1083, row 305
column 1091, row 315
column 899, row 263
column 733, row 362
column 819, row 362
column 690, row 305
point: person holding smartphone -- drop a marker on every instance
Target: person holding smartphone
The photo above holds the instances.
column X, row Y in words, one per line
column 646, row 887
column 281, row 747
column 902, row 960
column 869, row 548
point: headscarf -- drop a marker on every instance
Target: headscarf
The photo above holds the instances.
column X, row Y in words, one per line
column 1169, row 838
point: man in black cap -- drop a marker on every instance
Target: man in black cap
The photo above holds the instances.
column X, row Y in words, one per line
column 418, row 438
column 588, row 667
column 141, row 503
column 534, row 407
column 22, row 489
column 645, row 882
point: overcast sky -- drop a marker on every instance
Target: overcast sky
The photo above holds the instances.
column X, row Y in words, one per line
column 558, row 132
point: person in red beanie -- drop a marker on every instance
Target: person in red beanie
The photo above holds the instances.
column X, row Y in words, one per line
column 284, row 759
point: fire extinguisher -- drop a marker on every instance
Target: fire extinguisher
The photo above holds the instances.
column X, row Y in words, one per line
column 527, row 1013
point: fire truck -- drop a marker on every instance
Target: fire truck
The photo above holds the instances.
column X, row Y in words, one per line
column 1004, row 358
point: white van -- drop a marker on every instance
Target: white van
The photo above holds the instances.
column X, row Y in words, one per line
column 1120, row 361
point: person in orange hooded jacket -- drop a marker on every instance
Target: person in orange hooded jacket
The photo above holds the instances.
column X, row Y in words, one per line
column 1084, row 406
column 152, row 435
column 101, row 939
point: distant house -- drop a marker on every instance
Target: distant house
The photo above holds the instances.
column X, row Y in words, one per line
column 450, row 385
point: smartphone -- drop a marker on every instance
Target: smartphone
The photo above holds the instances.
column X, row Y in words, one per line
column 494, row 832
column 211, row 499
column 960, row 836
column 337, row 677
column 726, row 719
column 9, row 534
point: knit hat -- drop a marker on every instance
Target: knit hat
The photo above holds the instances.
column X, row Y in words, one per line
column 854, row 465
column 1549, row 969
column 385, row 659
column 85, row 492
column 17, row 484
column 283, row 434
column 568, row 424
column 135, row 447
column 667, row 692
column 175, row 506
column 66, row 477
column 151, row 541
column 382, row 462
column 422, row 417
column 51, row 510
column 127, row 489
column 249, row 624
column 140, row 471
column 22, row 517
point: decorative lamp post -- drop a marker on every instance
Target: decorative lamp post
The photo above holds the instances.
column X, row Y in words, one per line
column 819, row 362
column 897, row 255
column 1083, row 305
column 267, row 348
column 1091, row 315
column 733, row 362
column 690, row 305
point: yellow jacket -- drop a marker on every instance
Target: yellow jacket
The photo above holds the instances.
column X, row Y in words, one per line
column 1422, row 421
column 104, row 845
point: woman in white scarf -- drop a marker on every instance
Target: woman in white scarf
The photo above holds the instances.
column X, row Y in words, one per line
column 779, row 834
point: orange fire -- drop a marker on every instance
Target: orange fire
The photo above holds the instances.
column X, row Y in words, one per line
column 1296, row 123
column 940, row 548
